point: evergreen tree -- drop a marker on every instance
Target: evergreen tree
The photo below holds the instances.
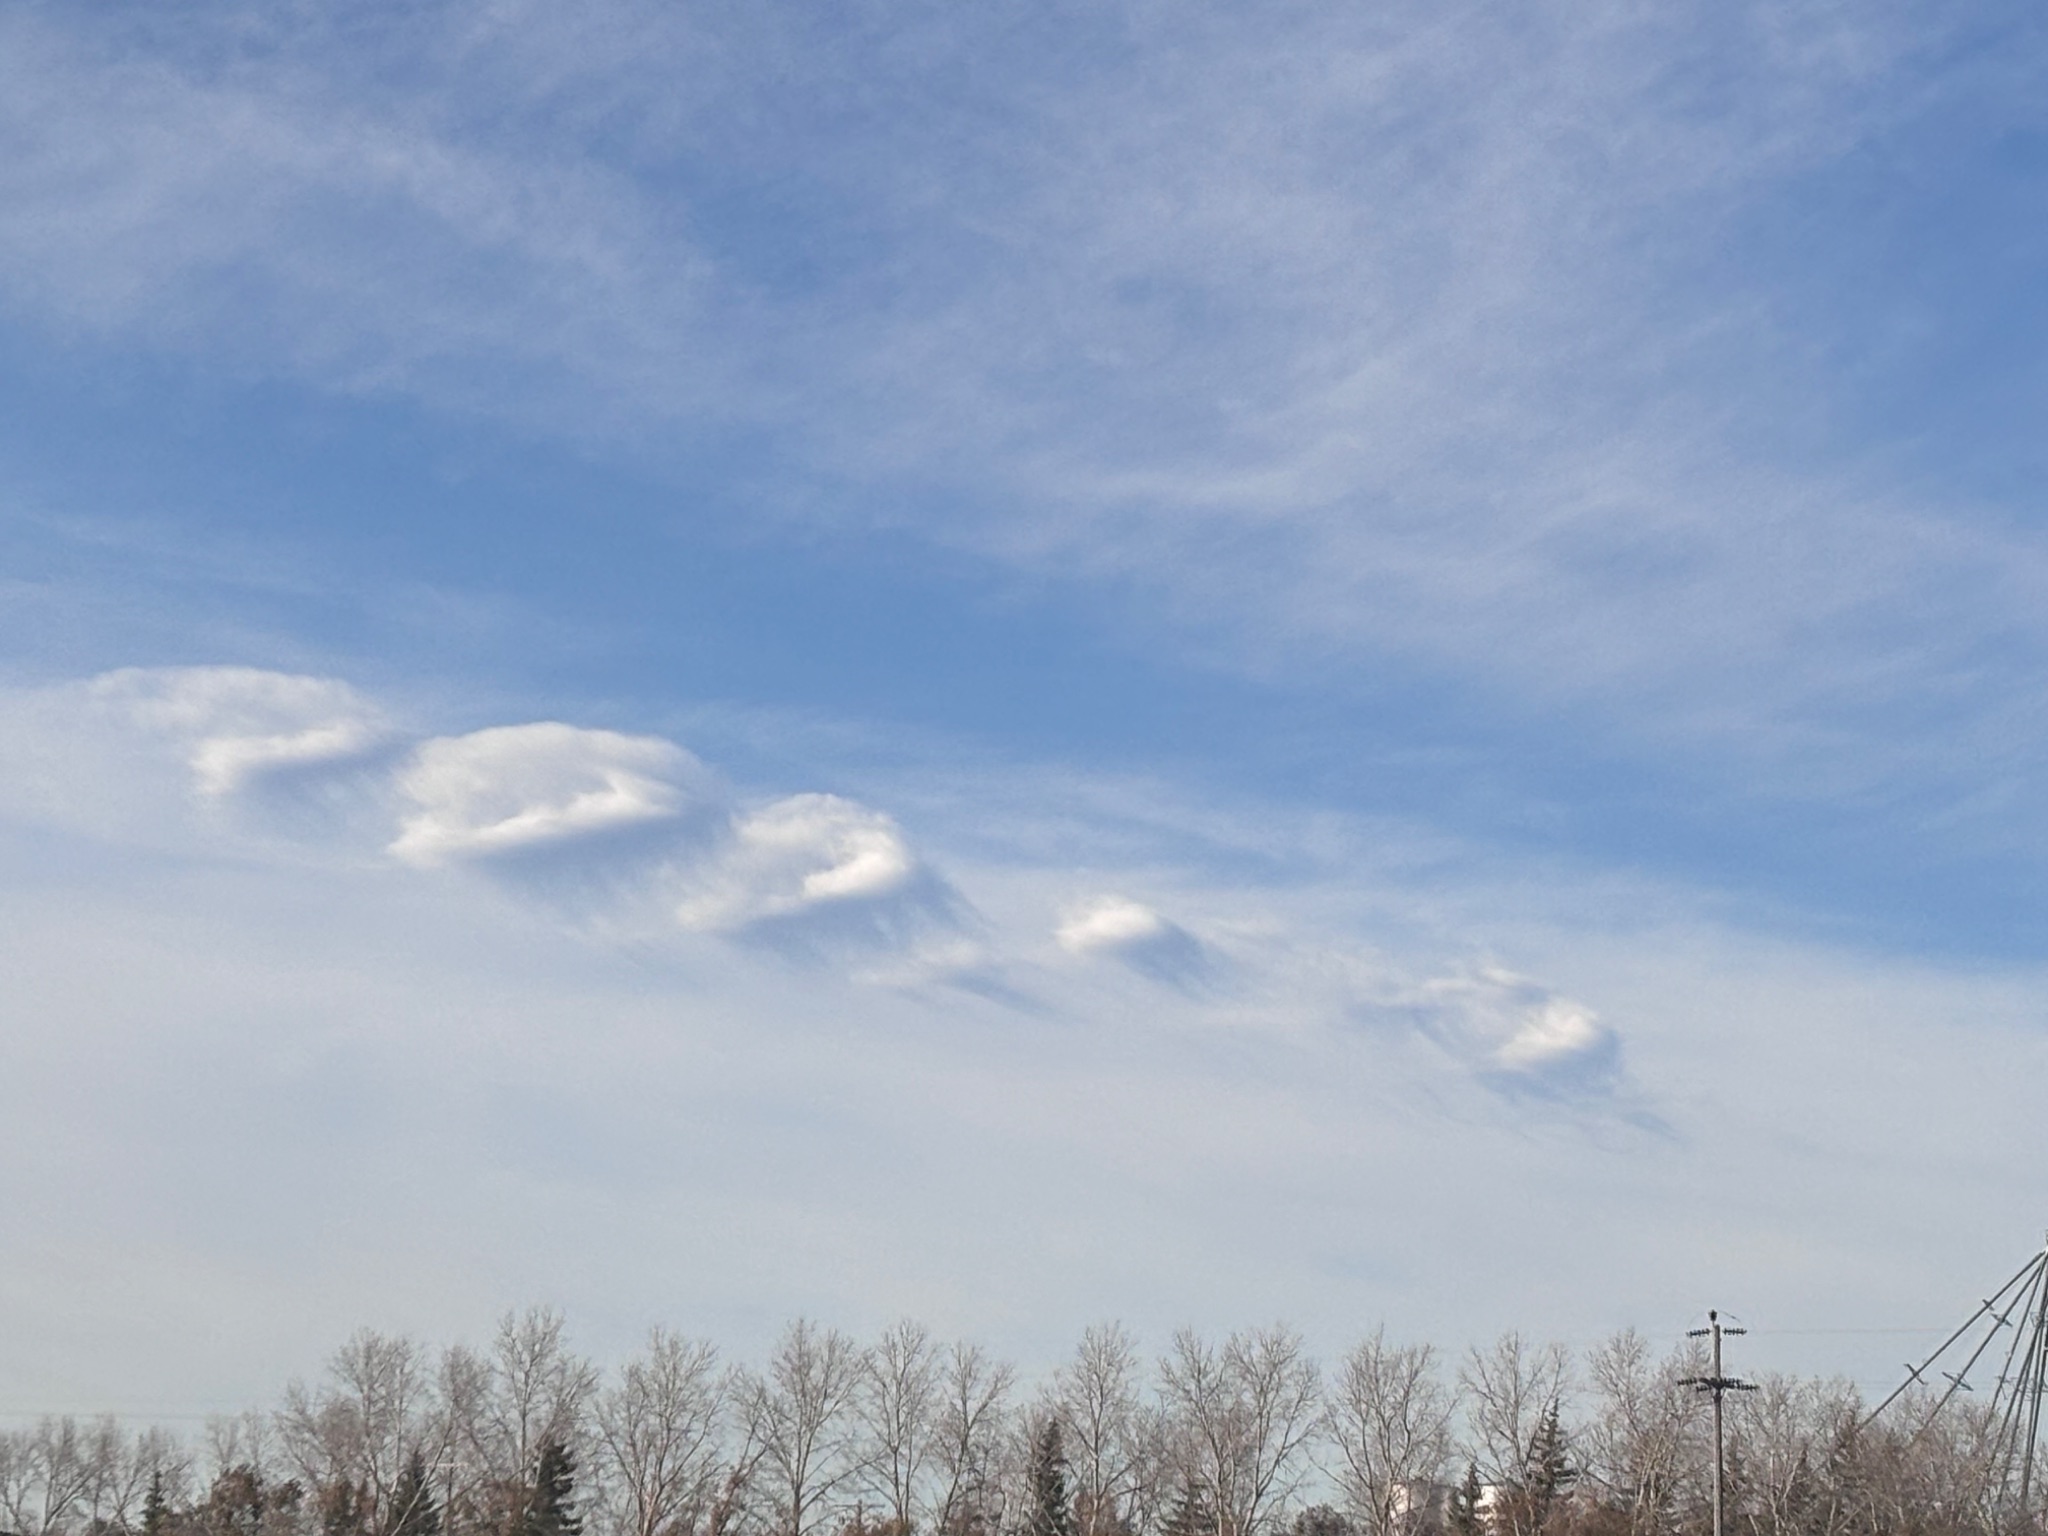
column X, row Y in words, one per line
column 1191, row 1514
column 235, row 1503
column 1322, row 1520
column 413, row 1511
column 1462, row 1514
column 1549, row 1474
column 551, row 1508
column 156, row 1509
column 1051, row 1511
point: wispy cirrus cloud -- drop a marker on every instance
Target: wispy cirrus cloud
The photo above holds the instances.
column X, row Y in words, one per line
column 1348, row 337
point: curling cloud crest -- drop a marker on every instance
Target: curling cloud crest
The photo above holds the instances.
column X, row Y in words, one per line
column 1111, row 925
column 632, row 834
column 802, row 853
column 572, row 808
column 516, row 787
column 1520, row 1033
column 241, row 724
column 1118, row 928
column 1559, row 1030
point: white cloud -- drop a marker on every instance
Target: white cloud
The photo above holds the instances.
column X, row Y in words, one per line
column 1558, row 1030
column 1501, row 1022
column 1118, row 928
column 1109, row 924
column 517, row 787
column 799, row 854
column 242, row 723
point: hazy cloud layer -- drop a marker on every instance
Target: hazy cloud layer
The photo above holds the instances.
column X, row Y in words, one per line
column 253, row 1032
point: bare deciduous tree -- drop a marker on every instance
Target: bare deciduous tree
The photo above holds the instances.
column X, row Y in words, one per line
column 1097, row 1396
column 732, row 1498
column 121, row 1472
column 242, row 1440
column 974, row 1402
column 1642, row 1442
column 898, row 1402
column 1243, row 1416
column 61, row 1477
column 804, row 1405
column 539, row 1391
column 358, row 1430
column 463, row 1398
column 1389, row 1421
column 661, row 1428
column 1507, row 1390
column 46, row 1474
column 497, row 1411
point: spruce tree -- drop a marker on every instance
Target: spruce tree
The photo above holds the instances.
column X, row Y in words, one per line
column 156, row 1509
column 235, row 1503
column 1462, row 1514
column 413, row 1512
column 1322, row 1520
column 1549, row 1474
column 1191, row 1514
column 551, row 1509
column 1051, row 1511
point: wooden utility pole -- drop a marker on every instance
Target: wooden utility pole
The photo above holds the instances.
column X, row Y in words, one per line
column 1717, row 1385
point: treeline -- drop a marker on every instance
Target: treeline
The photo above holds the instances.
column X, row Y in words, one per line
column 911, row 1436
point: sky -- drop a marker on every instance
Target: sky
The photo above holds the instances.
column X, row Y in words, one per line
column 1018, row 664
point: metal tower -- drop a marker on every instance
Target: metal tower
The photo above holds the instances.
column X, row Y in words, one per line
column 2008, row 1332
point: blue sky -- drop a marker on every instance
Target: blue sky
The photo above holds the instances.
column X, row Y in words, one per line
column 1023, row 664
